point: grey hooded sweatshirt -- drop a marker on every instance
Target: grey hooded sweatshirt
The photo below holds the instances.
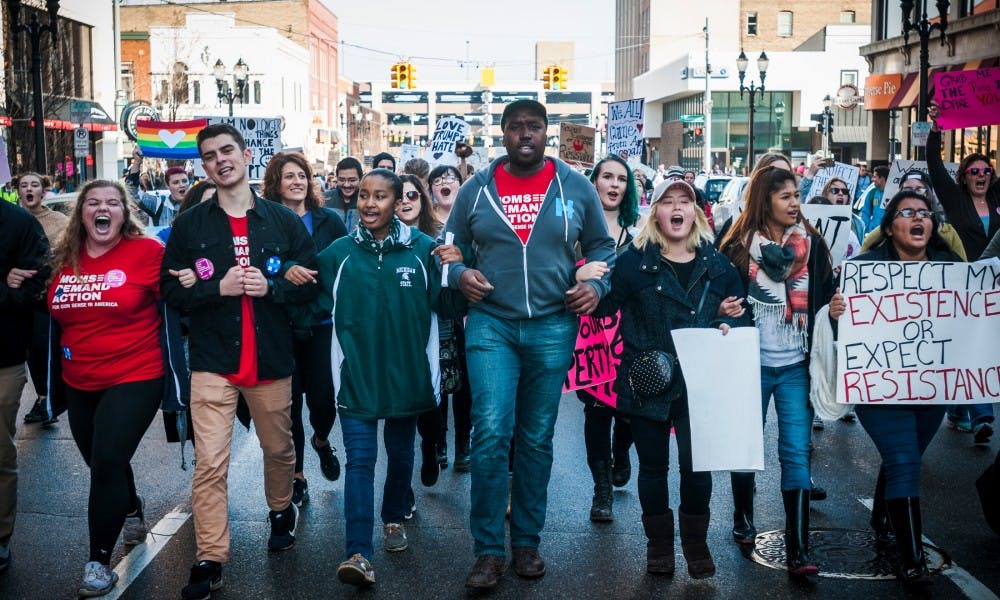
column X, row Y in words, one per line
column 530, row 280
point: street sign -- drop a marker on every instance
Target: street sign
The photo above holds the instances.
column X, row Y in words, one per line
column 692, row 119
column 81, row 142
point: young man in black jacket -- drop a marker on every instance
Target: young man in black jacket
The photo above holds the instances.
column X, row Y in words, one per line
column 240, row 339
column 24, row 253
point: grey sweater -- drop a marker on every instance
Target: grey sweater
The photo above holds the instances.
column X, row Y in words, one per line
column 530, row 280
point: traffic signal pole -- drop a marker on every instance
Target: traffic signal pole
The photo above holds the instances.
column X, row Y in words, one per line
column 707, row 110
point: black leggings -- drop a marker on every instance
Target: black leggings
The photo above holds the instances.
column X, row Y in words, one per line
column 597, row 418
column 38, row 353
column 313, row 376
column 652, row 444
column 107, row 426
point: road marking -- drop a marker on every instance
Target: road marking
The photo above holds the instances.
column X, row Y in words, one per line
column 967, row 584
column 132, row 565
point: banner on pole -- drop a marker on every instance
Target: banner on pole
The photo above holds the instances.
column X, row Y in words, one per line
column 919, row 333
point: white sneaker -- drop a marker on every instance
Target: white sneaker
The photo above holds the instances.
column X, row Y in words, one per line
column 98, row 579
column 135, row 529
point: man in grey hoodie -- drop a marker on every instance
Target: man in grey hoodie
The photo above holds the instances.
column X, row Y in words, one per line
column 523, row 216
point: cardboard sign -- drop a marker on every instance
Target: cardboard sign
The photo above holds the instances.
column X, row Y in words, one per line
column 596, row 357
column 919, row 132
column 968, row 98
column 839, row 170
column 625, row 121
column 919, row 333
column 447, row 132
column 834, row 222
column 576, row 144
column 263, row 137
column 723, row 407
column 408, row 152
column 900, row 167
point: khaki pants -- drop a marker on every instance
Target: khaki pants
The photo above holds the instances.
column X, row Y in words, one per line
column 213, row 411
column 12, row 380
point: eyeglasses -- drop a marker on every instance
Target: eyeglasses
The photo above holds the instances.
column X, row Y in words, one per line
column 412, row 195
column 976, row 171
column 913, row 213
column 444, row 180
column 838, row 190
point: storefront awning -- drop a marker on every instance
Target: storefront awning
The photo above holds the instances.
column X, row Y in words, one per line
column 59, row 117
column 909, row 90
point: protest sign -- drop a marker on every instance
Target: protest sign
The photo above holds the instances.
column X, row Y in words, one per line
column 900, row 167
column 625, row 127
column 447, row 131
column 839, row 170
column 596, row 358
column 919, row 132
column 407, row 152
column 723, row 406
column 263, row 137
column 834, row 222
column 4, row 163
column 919, row 333
column 968, row 98
column 168, row 139
column 576, row 144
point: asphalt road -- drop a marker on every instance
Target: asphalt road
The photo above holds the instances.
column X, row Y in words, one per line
column 585, row 560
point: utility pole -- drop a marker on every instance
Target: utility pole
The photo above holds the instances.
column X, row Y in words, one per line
column 707, row 107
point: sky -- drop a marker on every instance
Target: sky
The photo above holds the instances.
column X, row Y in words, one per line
column 434, row 34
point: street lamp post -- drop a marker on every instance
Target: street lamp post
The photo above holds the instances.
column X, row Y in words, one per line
column 779, row 113
column 827, row 123
column 241, row 73
column 924, row 28
column 35, row 31
column 753, row 90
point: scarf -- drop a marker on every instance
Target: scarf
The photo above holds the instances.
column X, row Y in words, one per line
column 779, row 285
column 398, row 235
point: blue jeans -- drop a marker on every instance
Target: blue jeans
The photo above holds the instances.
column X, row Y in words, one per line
column 516, row 371
column 361, row 445
column 790, row 387
column 976, row 413
column 901, row 434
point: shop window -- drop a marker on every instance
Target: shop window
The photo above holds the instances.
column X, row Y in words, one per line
column 848, row 77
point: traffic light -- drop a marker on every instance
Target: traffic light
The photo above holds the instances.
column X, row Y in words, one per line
column 413, row 75
column 559, row 77
column 547, row 78
column 403, row 75
column 394, row 77
column 487, row 77
column 819, row 119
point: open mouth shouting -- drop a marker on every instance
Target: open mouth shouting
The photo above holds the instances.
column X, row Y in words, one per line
column 102, row 224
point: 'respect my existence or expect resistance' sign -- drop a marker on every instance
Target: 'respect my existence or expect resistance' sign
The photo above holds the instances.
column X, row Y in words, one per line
column 919, row 333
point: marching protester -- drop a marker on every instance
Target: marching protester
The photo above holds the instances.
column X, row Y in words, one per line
column 237, row 244
column 197, row 193
column 343, row 198
column 872, row 199
column 104, row 295
column 288, row 180
column 902, row 432
column 673, row 253
column 607, row 452
column 418, row 167
column 160, row 205
column 384, row 160
column 787, row 274
column 31, row 190
column 445, row 181
column 520, row 219
column 384, row 276
column 24, row 270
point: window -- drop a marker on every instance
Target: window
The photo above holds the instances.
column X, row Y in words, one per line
column 128, row 80
column 179, row 83
column 850, row 77
column 847, row 16
column 785, row 23
column 196, row 92
column 256, row 92
column 752, row 23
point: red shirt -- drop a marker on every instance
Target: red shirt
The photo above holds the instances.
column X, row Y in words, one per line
column 247, row 375
column 108, row 314
column 522, row 197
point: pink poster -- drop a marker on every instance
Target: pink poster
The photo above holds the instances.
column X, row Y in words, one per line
column 968, row 98
column 596, row 357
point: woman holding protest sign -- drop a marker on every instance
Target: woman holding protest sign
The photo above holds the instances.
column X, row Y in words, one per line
column 787, row 274
column 902, row 433
column 670, row 267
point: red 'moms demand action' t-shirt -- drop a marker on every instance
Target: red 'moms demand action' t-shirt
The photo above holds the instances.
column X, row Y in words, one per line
column 522, row 197
column 247, row 375
column 108, row 314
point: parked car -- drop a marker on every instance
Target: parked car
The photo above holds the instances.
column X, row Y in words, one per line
column 730, row 202
column 712, row 185
column 63, row 203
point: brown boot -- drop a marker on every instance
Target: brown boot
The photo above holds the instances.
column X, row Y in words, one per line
column 694, row 535
column 486, row 572
column 660, row 545
column 527, row 563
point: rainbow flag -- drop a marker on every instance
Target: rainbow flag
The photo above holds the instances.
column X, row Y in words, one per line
column 169, row 139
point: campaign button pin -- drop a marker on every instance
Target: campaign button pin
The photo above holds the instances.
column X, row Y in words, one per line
column 273, row 265
column 115, row 278
column 67, row 354
column 204, row 268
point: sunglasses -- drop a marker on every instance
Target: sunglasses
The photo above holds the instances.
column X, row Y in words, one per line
column 976, row 171
column 413, row 195
column 838, row 190
column 913, row 213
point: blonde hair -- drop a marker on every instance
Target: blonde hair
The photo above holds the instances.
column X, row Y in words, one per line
column 67, row 250
column 650, row 233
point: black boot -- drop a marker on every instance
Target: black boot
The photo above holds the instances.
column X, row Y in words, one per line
column 797, row 533
column 621, row 441
column 905, row 516
column 660, row 543
column 600, row 509
column 694, row 544
column 880, row 515
column 743, row 487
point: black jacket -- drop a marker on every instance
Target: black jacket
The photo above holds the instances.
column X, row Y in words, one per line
column 327, row 228
column 203, row 232
column 652, row 302
column 958, row 205
column 22, row 245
